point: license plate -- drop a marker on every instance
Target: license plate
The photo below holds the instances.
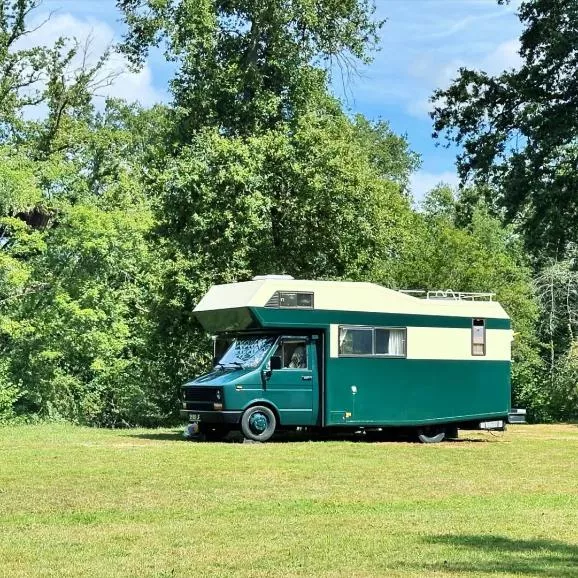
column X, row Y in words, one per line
column 496, row 424
column 194, row 417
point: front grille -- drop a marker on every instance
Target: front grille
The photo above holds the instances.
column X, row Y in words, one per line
column 201, row 398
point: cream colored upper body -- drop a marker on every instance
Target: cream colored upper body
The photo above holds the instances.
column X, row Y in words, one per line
column 345, row 296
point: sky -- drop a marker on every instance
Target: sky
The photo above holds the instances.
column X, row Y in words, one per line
column 423, row 43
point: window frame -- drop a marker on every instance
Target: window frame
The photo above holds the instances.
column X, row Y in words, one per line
column 281, row 344
column 312, row 306
column 373, row 354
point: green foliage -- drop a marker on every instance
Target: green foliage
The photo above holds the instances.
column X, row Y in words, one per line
column 557, row 292
column 562, row 402
column 9, row 394
column 20, row 70
column 518, row 130
column 313, row 200
column 18, row 182
column 247, row 66
column 79, row 338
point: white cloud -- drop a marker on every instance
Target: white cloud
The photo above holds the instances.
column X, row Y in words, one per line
column 435, row 75
column 422, row 182
column 504, row 57
column 98, row 36
column 420, row 107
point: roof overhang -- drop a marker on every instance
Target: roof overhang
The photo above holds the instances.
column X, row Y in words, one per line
column 342, row 296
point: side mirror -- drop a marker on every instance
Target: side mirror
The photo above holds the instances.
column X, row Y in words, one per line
column 276, row 362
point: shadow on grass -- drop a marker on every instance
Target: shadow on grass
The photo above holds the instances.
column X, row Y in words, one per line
column 175, row 436
column 504, row 555
column 303, row 437
column 237, row 437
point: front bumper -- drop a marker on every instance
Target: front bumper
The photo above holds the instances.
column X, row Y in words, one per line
column 219, row 417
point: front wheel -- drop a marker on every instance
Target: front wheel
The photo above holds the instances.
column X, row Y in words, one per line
column 258, row 423
column 431, row 434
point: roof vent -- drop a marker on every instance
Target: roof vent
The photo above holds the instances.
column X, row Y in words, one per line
column 277, row 277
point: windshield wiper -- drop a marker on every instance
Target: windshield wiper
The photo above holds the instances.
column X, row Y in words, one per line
column 226, row 365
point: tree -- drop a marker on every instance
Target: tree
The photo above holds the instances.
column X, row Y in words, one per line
column 262, row 171
column 76, row 269
column 75, row 346
column 313, row 200
column 518, row 130
column 245, row 66
column 557, row 291
column 20, row 70
column 75, row 322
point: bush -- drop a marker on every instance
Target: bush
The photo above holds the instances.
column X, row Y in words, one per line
column 563, row 398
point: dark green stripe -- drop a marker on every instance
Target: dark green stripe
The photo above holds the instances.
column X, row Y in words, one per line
column 269, row 317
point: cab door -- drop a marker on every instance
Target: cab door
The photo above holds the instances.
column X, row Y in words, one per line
column 294, row 387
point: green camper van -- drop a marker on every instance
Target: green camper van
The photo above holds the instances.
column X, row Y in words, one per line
column 324, row 354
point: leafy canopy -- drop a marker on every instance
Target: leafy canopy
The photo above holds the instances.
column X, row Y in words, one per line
column 519, row 130
column 248, row 65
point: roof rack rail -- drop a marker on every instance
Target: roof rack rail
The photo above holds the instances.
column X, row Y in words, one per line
column 459, row 295
column 276, row 277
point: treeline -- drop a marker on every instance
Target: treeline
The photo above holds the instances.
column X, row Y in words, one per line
column 114, row 221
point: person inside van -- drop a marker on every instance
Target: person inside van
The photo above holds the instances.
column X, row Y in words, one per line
column 298, row 358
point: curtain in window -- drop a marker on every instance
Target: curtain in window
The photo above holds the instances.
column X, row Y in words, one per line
column 396, row 342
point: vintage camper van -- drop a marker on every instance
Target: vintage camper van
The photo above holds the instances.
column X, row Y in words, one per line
column 327, row 354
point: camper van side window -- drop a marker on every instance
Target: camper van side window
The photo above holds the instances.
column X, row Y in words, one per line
column 478, row 337
column 389, row 341
column 355, row 341
column 372, row 341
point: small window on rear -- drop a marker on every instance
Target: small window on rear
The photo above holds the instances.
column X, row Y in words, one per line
column 478, row 337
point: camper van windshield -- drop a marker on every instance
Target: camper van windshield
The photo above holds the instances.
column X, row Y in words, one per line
column 246, row 352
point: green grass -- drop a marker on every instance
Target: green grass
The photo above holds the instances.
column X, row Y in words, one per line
column 84, row 502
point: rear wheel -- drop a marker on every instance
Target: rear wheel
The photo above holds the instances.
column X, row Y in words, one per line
column 258, row 423
column 431, row 434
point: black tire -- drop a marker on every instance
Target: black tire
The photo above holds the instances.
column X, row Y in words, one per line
column 431, row 434
column 258, row 423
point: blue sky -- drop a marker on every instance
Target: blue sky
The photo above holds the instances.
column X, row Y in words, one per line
column 423, row 44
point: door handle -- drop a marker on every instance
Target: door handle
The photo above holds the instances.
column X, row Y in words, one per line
column 306, row 378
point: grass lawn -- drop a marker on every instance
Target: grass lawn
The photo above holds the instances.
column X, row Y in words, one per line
column 84, row 502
